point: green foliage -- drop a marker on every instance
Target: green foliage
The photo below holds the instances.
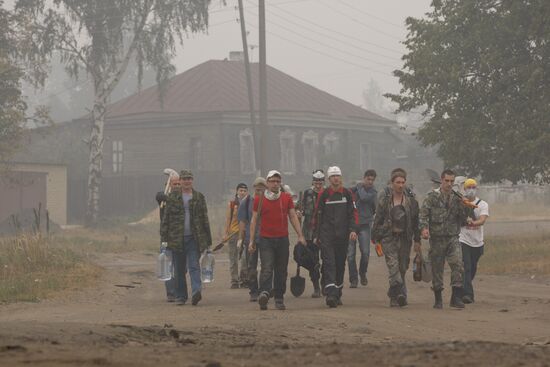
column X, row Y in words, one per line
column 480, row 69
column 12, row 106
column 100, row 37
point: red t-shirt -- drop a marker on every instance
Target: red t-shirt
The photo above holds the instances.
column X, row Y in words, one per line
column 274, row 215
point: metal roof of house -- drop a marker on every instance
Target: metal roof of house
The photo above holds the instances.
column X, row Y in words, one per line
column 220, row 86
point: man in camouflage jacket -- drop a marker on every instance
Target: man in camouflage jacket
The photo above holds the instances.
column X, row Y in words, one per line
column 306, row 208
column 441, row 216
column 396, row 227
column 185, row 230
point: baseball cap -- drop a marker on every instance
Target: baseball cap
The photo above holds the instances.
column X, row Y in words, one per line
column 273, row 173
column 185, row 173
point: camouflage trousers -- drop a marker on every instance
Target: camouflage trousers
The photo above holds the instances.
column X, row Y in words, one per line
column 397, row 252
column 441, row 249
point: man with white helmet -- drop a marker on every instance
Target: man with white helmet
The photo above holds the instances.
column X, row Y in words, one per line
column 336, row 223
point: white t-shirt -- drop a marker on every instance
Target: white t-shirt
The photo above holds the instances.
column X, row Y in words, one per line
column 473, row 236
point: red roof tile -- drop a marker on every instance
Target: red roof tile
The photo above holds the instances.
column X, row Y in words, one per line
column 220, row 86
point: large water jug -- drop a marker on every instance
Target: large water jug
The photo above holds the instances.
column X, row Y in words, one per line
column 164, row 265
column 207, row 267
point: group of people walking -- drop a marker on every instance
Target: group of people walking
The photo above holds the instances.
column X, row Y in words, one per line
column 331, row 222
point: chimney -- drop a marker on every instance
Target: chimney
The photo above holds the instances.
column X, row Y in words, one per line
column 236, row 56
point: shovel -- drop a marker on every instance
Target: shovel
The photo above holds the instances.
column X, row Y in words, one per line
column 297, row 284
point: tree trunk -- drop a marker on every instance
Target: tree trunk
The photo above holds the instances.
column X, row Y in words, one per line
column 96, row 155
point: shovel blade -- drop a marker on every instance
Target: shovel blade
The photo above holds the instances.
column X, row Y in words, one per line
column 297, row 285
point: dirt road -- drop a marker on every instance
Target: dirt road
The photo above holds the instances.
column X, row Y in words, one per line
column 134, row 326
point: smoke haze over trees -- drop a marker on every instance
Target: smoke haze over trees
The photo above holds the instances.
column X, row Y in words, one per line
column 100, row 38
column 480, row 70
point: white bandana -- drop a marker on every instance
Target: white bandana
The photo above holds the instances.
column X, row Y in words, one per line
column 270, row 195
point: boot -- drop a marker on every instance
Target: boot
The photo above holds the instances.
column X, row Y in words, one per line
column 438, row 300
column 456, row 298
column 316, row 290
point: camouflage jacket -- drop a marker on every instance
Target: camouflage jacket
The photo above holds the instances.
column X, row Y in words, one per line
column 171, row 228
column 440, row 217
column 307, row 206
column 382, row 226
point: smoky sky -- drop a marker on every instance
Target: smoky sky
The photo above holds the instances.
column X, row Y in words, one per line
column 334, row 45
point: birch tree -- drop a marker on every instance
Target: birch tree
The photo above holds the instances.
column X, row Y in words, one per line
column 100, row 38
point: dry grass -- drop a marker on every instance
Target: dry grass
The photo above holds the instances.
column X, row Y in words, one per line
column 526, row 255
column 119, row 239
column 32, row 268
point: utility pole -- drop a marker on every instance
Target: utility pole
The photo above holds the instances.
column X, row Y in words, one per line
column 263, row 90
column 257, row 159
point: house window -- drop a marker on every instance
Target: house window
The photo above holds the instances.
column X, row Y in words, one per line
column 364, row 156
column 310, row 142
column 331, row 142
column 248, row 159
column 117, row 156
column 288, row 162
column 195, row 155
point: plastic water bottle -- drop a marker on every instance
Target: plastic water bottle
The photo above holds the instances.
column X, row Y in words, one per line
column 164, row 264
column 207, row 267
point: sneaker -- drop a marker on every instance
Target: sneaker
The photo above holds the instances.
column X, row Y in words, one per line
column 196, row 298
column 253, row 298
column 332, row 302
column 234, row 286
column 353, row 284
column 263, row 300
column 364, row 280
column 180, row 301
column 467, row 299
column 280, row 305
column 393, row 302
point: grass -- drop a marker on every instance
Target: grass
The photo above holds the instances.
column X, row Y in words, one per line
column 525, row 255
column 33, row 268
column 119, row 239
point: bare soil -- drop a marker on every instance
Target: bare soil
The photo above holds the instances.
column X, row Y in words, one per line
column 125, row 321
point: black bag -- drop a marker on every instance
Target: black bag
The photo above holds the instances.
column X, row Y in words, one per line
column 304, row 256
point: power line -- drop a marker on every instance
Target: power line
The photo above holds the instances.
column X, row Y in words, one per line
column 324, row 53
column 359, row 22
column 342, row 34
column 355, row 46
column 325, row 44
column 372, row 15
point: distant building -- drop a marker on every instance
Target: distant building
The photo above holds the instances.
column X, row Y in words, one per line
column 204, row 124
column 30, row 186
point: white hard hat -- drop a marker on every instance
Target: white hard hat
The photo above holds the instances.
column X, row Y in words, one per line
column 318, row 175
column 334, row 171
